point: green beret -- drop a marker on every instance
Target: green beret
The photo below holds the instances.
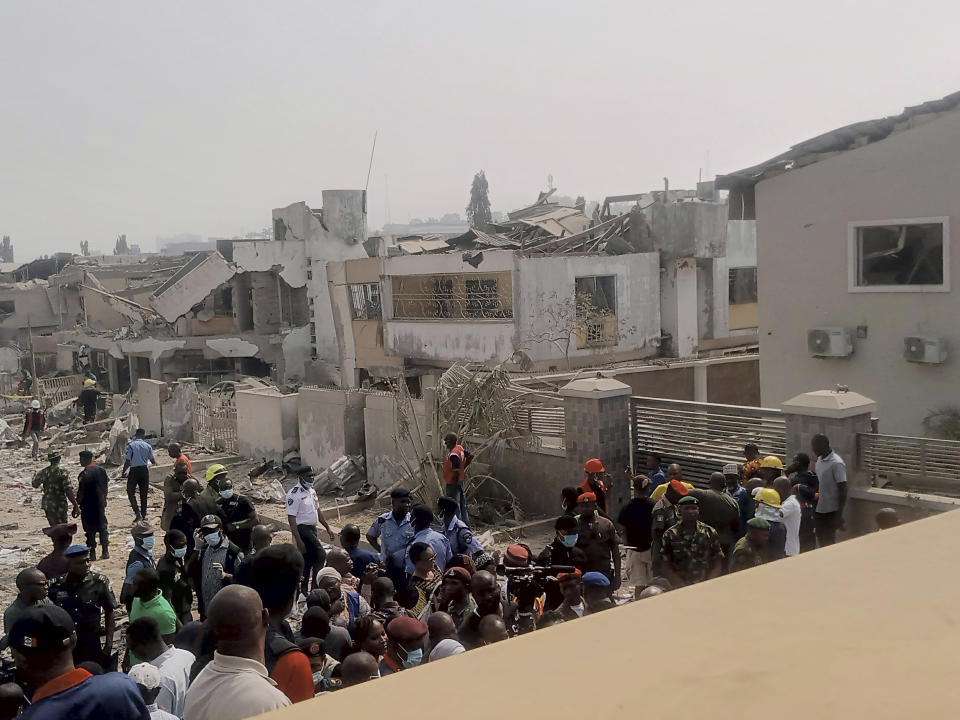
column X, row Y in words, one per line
column 758, row 523
column 688, row 500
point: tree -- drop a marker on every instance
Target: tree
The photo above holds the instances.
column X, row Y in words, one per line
column 478, row 211
column 121, row 247
column 943, row 423
column 6, row 250
column 85, row 248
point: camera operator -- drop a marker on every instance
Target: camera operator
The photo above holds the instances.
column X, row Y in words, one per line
column 562, row 551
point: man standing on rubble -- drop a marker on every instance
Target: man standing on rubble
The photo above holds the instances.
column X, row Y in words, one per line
column 88, row 400
column 92, row 497
column 454, row 466
column 34, row 421
column 303, row 514
column 56, row 491
column 138, row 458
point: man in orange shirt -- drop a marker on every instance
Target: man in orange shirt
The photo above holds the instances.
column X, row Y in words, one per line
column 454, row 466
column 275, row 574
column 178, row 457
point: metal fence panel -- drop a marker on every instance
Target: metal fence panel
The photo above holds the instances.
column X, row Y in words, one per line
column 215, row 421
column 910, row 461
column 702, row 437
column 57, row 389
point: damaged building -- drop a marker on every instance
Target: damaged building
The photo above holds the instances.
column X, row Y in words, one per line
column 546, row 288
column 254, row 307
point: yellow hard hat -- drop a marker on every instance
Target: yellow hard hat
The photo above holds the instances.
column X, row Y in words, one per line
column 771, row 461
column 215, row 470
column 88, row 382
column 768, row 496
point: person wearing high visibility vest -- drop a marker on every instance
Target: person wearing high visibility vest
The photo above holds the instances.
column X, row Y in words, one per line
column 454, row 466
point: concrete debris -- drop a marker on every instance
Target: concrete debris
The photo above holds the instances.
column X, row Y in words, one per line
column 7, row 433
column 346, row 476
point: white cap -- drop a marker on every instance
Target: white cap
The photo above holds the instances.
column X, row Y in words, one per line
column 145, row 674
column 731, row 469
column 35, row 404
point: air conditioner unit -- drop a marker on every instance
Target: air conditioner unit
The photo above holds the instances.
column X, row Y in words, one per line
column 829, row 342
column 924, row 349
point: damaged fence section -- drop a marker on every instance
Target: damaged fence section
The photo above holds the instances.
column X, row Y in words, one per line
column 215, row 421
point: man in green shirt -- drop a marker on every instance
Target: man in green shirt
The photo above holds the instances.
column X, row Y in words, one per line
column 691, row 549
column 148, row 601
column 56, row 491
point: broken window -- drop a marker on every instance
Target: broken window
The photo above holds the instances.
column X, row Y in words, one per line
column 899, row 255
column 742, row 285
column 596, row 310
column 7, row 307
column 365, row 301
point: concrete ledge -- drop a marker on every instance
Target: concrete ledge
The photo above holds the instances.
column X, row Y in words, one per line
column 900, row 498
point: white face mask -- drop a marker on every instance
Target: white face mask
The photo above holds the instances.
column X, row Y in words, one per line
column 147, row 542
column 226, row 494
column 211, row 538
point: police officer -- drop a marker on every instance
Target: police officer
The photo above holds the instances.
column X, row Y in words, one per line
column 87, row 597
column 461, row 538
column 303, row 514
column 422, row 518
column 92, row 498
column 391, row 535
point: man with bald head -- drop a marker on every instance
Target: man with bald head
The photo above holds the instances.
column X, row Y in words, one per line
column 493, row 629
column 442, row 633
column 235, row 685
column 358, row 668
column 32, row 591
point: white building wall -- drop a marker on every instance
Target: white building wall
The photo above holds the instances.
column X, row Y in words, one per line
column 547, row 283
column 802, row 230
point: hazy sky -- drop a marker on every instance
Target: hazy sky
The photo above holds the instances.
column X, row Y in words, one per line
column 161, row 118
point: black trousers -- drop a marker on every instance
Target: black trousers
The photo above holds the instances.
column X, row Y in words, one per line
column 826, row 525
column 314, row 555
column 94, row 521
column 139, row 478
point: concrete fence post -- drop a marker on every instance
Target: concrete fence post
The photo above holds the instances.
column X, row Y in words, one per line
column 838, row 415
column 597, row 424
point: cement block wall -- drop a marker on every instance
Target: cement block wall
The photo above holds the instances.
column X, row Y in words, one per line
column 265, row 302
column 331, row 425
column 266, row 423
column 150, row 397
column 536, row 479
column 380, row 424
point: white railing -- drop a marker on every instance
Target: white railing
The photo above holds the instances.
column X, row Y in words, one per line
column 910, row 462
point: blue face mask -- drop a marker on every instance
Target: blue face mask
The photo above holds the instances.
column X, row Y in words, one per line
column 179, row 552
column 211, row 538
column 148, row 542
column 226, row 494
column 413, row 658
column 570, row 540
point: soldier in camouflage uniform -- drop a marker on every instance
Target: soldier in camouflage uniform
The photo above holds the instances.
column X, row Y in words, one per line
column 664, row 516
column 57, row 490
column 751, row 549
column 691, row 549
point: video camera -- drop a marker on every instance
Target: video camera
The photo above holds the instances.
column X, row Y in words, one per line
column 533, row 577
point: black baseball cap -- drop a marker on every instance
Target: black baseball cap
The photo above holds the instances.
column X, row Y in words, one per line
column 42, row 628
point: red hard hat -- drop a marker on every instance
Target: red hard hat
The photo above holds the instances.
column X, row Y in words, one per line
column 594, row 466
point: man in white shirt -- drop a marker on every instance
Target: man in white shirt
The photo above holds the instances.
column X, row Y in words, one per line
column 832, row 474
column 303, row 514
column 147, row 678
column 235, row 685
column 790, row 510
column 145, row 642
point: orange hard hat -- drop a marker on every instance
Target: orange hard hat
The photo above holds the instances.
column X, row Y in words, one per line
column 594, row 466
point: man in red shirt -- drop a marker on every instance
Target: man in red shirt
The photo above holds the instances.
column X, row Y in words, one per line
column 596, row 480
column 454, row 466
column 178, row 457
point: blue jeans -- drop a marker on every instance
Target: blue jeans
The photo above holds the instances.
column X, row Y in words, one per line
column 455, row 490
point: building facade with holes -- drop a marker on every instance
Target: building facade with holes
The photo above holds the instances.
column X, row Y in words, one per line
column 856, row 262
column 560, row 311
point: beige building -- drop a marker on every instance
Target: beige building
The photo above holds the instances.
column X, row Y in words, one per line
column 854, row 256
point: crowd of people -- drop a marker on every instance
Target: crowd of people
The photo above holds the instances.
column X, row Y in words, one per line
column 226, row 624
